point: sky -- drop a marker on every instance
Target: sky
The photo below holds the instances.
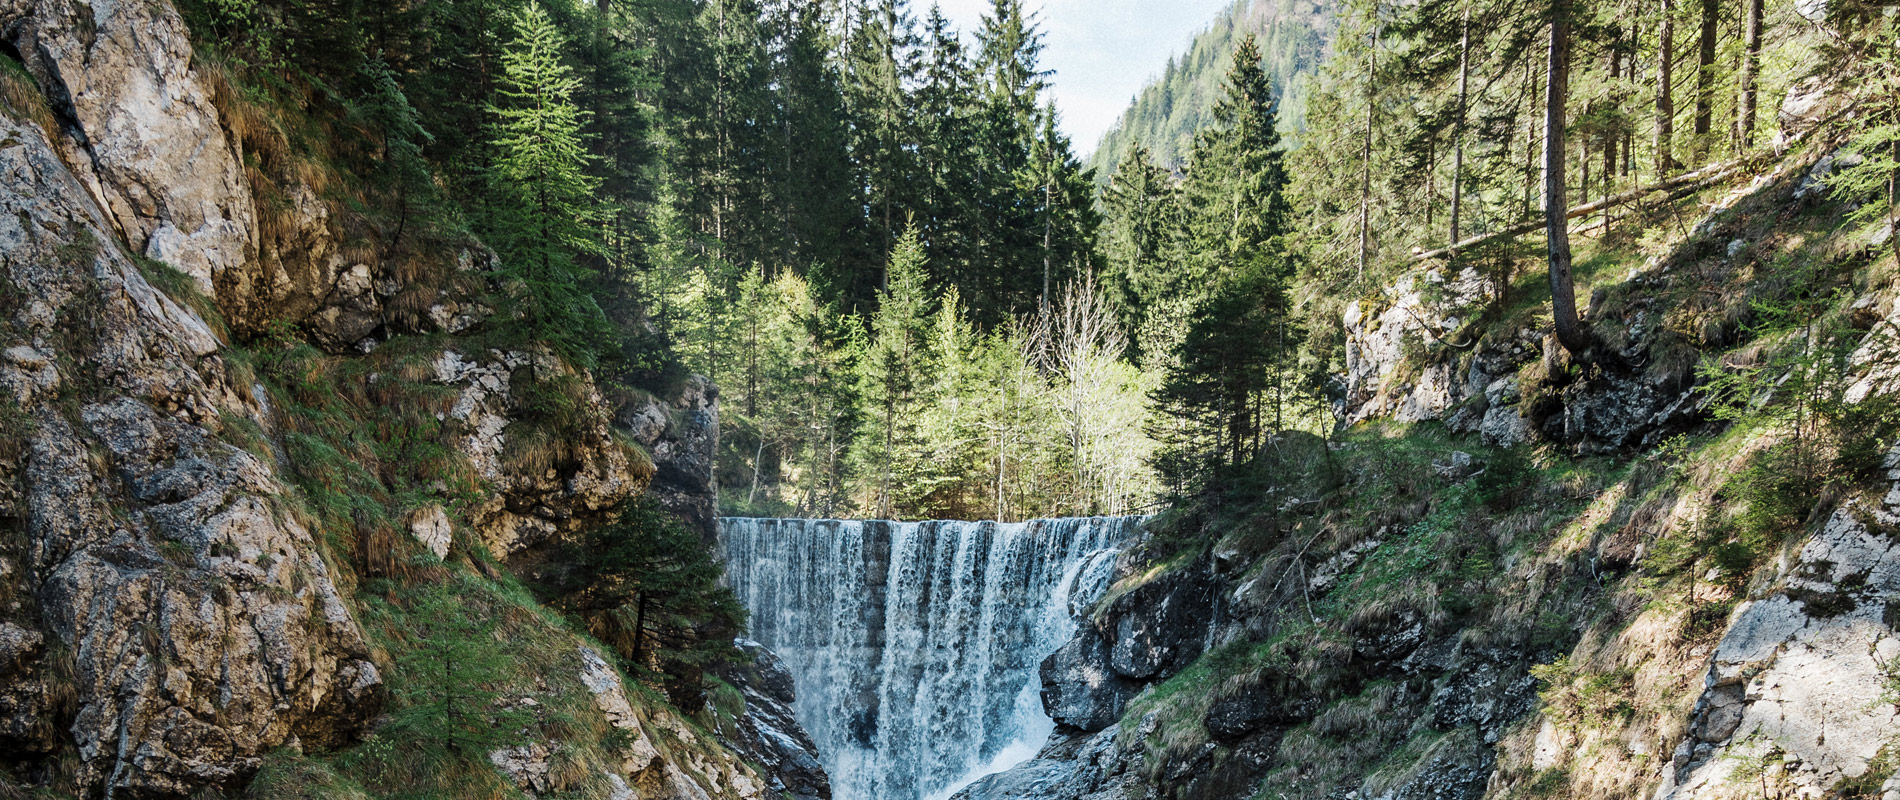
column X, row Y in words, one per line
column 1103, row 51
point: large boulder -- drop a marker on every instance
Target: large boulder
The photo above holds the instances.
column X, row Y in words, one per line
column 1079, row 689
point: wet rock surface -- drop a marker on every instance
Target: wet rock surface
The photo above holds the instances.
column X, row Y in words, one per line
column 768, row 734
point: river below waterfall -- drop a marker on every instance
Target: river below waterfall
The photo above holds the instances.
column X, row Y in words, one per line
column 915, row 646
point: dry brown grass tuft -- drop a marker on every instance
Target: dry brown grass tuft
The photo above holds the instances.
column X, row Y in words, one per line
column 21, row 96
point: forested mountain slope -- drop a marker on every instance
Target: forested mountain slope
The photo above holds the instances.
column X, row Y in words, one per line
column 1178, row 103
column 1648, row 552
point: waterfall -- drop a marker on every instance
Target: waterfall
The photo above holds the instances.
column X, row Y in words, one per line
column 915, row 646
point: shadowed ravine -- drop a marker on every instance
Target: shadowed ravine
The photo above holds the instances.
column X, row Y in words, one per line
column 915, row 646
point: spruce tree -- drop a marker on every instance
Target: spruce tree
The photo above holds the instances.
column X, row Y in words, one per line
column 1224, row 388
column 1139, row 242
column 949, row 201
column 891, row 375
column 542, row 215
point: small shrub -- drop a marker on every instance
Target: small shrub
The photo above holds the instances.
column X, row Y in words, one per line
column 447, row 675
column 1507, row 479
column 1580, row 697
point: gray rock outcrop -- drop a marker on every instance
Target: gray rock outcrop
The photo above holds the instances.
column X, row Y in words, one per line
column 1807, row 673
column 768, row 734
column 682, row 435
column 197, row 625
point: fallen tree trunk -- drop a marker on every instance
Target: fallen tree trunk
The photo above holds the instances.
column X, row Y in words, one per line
column 1689, row 181
column 1686, row 183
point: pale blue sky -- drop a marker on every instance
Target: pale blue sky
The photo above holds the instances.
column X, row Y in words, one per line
column 1103, row 51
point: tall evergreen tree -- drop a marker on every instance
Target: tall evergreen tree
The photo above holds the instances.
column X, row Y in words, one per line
column 881, row 65
column 542, row 214
column 1224, row 388
column 813, row 180
column 950, row 203
column 1140, row 242
column 892, row 374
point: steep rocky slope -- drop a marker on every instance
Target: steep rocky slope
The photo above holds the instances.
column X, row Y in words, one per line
column 202, row 507
column 1515, row 576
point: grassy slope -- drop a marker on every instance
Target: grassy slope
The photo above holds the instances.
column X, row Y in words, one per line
column 365, row 445
column 1615, row 575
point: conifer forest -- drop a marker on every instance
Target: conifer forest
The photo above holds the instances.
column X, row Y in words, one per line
column 841, row 400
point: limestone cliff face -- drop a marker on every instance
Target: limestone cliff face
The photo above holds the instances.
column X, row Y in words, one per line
column 169, row 612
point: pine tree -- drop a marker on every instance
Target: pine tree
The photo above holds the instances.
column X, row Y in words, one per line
column 447, row 695
column 542, row 215
column 1224, row 387
column 1063, row 197
column 950, row 201
column 647, row 586
column 891, row 375
column 814, row 183
column 1139, row 242
column 881, row 64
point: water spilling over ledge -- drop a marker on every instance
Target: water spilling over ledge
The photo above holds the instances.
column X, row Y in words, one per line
column 916, row 645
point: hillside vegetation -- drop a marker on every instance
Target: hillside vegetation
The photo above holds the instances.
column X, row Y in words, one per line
column 1166, row 114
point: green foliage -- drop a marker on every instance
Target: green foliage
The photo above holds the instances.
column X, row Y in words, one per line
column 891, row 375
column 284, row 776
column 1226, row 381
column 541, row 212
column 647, row 586
column 447, row 695
column 1871, row 179
column 1507, row 478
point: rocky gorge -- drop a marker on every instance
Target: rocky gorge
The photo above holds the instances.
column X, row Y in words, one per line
column 1296, row 653
column 240, row 426
column 172, row 609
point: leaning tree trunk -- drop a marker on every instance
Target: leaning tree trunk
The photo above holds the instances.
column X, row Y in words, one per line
column 1705, row 80
column 1665, row 95
column 1750, row 77
column 1458, row 137
column 1563, row 291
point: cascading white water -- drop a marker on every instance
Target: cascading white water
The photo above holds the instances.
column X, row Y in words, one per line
column 915, row 646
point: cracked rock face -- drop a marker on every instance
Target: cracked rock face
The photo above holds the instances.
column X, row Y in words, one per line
column 174, row 595
column 1804, row 672
column 142, row 127
column 537, row 495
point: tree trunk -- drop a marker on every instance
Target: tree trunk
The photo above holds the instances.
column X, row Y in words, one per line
column 1665, row 96
column 639, row 630
column 1458, row 135
column 1563, row 291
column 1705, row 79
column 1613, row 138
column 1530, row 137
column 1751, row 74
column 1365, row 158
